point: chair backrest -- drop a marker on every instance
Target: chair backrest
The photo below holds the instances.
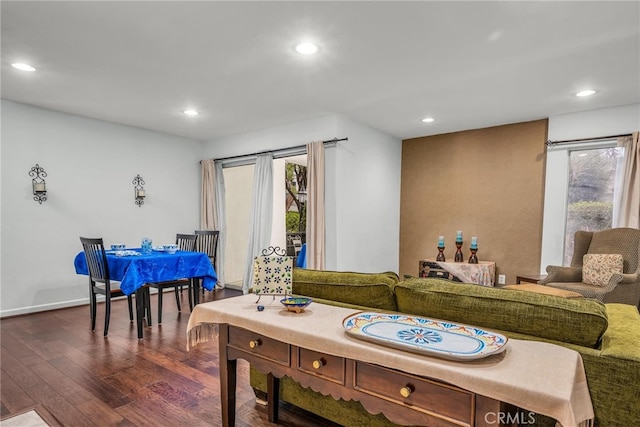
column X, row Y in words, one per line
column 624, row 241
column 96, row 259
column 186, row 242
column 208, row 243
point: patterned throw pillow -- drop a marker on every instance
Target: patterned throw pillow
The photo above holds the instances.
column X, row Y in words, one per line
column 272, row 275
column 597, row 269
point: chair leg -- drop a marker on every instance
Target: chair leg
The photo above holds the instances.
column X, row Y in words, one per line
column 107, row 315
column 93, row 309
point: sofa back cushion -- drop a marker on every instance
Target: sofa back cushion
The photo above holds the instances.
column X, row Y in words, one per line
column 373, row 290
column 578, row 321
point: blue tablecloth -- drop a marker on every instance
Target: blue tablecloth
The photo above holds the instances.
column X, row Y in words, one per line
column 134, row 272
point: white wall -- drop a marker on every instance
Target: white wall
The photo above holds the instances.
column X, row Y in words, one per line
column 587, row 124
column 362, row 186
column 90, row 166
column 366, row 186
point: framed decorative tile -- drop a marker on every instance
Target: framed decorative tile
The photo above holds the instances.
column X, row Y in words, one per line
column 273, row 272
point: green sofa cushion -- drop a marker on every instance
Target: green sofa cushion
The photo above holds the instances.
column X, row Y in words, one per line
column 375, row 290
column 578, row 321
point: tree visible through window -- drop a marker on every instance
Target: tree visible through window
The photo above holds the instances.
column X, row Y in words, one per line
column 592, row 176
column 295, row 182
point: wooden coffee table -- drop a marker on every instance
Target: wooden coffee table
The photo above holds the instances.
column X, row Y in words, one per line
column 547, row 290
column 530, row 278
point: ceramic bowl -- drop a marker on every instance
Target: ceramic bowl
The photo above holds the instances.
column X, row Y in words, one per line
column 171, row 249
column 296, row 304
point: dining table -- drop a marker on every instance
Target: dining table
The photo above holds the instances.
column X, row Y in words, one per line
column 135, row 269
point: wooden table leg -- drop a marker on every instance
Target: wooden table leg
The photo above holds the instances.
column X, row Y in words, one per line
column 492, row 413
column 227, row 380
column 141, row 304
column 196, row 291
column 273, row 397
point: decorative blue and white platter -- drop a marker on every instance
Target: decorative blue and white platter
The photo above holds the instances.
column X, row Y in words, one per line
column 425, row 336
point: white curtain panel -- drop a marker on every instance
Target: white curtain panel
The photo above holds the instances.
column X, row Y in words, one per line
column 221, row 222
column 212, row 209
column 315, row 206
column 208, row 203
column 261, row 215
column 626, row 206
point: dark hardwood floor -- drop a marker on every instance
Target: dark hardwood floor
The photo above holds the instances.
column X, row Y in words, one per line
column 52, row 360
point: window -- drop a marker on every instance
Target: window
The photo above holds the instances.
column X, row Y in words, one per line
column 579, row 193
column 590, row 195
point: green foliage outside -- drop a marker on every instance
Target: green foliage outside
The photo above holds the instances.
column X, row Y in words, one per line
column 293, row 221
column 591, row 216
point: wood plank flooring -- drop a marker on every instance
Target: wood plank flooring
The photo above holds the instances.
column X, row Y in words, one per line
column 54, row 361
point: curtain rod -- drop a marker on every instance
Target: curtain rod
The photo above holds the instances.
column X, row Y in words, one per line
column 281, row 150
column 567, row 141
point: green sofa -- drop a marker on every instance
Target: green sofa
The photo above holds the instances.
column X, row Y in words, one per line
column 606, row 335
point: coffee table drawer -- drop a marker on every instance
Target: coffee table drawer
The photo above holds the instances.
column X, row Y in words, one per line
column 422, row 394
column 259, row 345
column 321, row 365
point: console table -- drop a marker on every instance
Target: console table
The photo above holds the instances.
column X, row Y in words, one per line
column 403, row 398
column 483, row 273
column 314, row 350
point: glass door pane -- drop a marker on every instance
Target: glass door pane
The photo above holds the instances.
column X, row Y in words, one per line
column 238, row 183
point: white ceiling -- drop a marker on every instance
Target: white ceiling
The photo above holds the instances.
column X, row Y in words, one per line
column 386, row 64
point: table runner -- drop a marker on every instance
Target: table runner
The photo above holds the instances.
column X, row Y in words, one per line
column 536, row 376
column 135, row 271
column 483, row 273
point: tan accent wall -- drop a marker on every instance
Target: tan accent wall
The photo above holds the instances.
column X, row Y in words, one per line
column 488, row 183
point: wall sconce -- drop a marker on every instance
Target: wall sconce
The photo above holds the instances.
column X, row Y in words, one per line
column 38, row 183
column 138, row 190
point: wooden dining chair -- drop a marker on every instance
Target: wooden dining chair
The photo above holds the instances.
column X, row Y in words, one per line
column 100, row 282
column 185, row 242
column 207, row 243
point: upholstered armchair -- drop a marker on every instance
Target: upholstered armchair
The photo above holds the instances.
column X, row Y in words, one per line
column 616, row 286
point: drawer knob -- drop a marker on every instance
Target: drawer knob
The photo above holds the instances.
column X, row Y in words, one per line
column 406, row 391
column 255, row 343
column 319, row 363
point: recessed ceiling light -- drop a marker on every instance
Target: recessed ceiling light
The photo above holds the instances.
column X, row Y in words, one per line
column 587, row 92
column 23, row 67
column 191, row 112
column 428, row 120
column 306, row 48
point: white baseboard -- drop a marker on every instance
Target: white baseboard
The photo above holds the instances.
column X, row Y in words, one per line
column 43, row 307
column 57, row 305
